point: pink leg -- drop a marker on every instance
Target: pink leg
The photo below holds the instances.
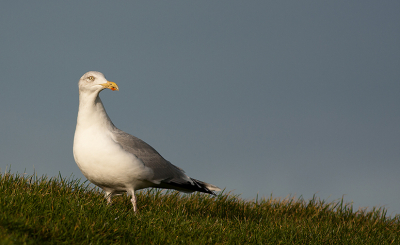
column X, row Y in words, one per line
column 133, row 200
column 108, row 196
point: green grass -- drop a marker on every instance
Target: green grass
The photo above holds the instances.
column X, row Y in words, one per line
column 64, row 211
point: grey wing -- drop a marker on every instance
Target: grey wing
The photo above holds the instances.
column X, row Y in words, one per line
column 163, row 170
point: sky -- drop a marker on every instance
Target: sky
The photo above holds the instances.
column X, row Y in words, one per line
column 262, row 98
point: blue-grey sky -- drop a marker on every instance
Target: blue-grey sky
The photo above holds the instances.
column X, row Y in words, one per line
column 281, row 97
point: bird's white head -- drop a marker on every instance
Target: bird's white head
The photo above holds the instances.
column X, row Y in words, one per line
column 94, row 81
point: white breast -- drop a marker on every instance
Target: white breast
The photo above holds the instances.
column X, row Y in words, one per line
column 104, row 162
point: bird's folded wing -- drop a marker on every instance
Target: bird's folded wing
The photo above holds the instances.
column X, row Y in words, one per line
column 163, row 170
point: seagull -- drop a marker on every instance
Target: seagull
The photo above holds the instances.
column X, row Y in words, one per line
column 116, row 161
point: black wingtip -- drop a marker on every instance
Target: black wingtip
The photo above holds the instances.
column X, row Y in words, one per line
column 197, row 185
column 203, row 186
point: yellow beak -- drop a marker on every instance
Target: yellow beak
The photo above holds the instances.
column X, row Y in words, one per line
column 110, row 85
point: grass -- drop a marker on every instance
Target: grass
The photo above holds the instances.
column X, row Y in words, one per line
column 65, row 211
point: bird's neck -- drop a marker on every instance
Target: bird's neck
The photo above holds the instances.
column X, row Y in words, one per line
column 92, row 113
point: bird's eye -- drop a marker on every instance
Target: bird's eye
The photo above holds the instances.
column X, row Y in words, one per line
column 91, row 78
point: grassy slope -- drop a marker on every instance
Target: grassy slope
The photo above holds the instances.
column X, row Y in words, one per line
column 57, row 211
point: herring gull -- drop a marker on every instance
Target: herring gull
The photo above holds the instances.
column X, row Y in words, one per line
column 116, row 161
